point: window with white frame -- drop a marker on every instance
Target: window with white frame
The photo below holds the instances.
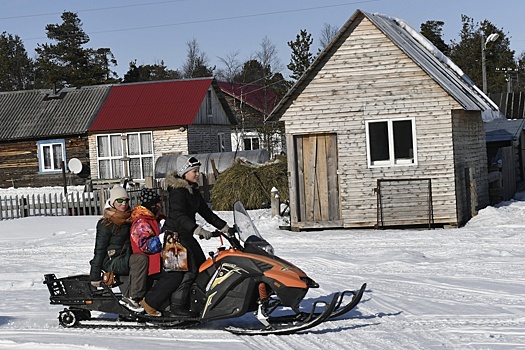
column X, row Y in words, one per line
column 140, row 154
column 209, row 109
column 221, row 142
column 51, row 155
column 251, row 143
column 391, row 142
column 109, row 156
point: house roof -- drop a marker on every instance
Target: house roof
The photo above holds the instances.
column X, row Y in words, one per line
column 35, row 114
column 258, row 97
column 153, row 104
column 503, row 130
column 420, row 50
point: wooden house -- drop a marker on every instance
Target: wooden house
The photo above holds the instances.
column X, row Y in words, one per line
column 384, row 130
column 251, row 105
column 42, row 131
column 140, row 122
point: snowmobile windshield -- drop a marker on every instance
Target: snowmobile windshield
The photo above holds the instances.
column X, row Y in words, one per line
column 248, row 233
column 245, row 225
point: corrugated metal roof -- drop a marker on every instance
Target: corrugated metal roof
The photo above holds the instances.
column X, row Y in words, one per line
column 151, row 104
column 38, row 114
column 422, row 52
column 258, row 97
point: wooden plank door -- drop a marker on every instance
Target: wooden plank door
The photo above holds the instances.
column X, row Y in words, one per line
column 316, row 182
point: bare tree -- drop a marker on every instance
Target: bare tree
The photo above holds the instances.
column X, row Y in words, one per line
column 196, row 64
column 232, row 67
column 327, row 34
column 267, row 56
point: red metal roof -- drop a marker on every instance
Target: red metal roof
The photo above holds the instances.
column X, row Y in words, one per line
column 259, row 97
column 151, row 105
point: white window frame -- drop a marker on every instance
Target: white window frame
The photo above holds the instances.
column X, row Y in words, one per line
column 49, row 144
column 111, row 158
column 391, row 161
column 221, row 140
column 141, row 156
column 251, row 140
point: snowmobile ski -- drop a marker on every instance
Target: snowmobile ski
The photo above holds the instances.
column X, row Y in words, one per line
column 338, row 310
column 301, row 322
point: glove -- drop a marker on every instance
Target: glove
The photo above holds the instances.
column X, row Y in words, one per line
column 202, row 233
column 225, row 229
column 96, row 283
column 161, row 238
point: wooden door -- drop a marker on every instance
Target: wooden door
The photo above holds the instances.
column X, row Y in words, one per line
column 315, row 182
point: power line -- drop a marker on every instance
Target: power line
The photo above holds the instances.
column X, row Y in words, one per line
column 273, row 13
column 92, row 10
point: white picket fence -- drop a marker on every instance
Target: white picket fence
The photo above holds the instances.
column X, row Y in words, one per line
column 73, row 204
column 57, row 204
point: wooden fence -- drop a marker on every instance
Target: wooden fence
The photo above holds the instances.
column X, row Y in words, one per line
column 72, row 204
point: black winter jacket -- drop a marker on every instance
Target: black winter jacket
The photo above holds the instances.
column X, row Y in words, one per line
column 185, row 201
column 110, row 238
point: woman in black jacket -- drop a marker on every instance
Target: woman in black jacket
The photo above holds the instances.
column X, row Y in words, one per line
column 185, row 201
column 112, row 244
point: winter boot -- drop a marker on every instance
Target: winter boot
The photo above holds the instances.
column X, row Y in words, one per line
column 149, row 310
column 177, row 310
column 131, row 304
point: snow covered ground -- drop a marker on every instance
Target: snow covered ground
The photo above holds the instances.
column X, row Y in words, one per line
column 446, row 288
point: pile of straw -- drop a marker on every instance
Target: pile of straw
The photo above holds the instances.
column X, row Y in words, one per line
column 251, row 184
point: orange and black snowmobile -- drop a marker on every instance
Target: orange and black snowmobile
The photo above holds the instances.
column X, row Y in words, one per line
column 245, row 277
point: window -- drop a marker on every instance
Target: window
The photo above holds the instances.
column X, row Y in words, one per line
column 140, row 154
column 251, row 143
column 391, row 142
column 222, row 146
column 51, row 155
column 110, row 164
column 209, row 110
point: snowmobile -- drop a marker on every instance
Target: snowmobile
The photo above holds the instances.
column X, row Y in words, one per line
column 245, row 277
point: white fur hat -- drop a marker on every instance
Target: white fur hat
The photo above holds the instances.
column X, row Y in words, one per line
column 117, row 192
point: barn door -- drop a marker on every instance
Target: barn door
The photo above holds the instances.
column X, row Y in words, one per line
column 316, row 182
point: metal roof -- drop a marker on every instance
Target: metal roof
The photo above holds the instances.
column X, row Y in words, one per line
column 422, row 52
column 261, row 98
column 37, row 114
column 504, row 130
column 151, row 104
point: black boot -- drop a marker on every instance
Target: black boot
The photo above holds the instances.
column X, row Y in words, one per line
column 179, row 311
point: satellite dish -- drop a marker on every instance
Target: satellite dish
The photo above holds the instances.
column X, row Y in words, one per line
column 74, row 165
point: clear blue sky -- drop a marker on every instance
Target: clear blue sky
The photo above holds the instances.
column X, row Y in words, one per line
column 150, row 31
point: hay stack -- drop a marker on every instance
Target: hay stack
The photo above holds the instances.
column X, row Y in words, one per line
column 251, row 184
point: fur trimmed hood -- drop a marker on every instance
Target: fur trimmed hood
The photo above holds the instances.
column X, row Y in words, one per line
column 174, row 181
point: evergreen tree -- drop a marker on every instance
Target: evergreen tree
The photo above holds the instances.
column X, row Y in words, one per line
column 467, row 54
column 433, row 31
column 149, row 72
column 301, row 56
column 67, row 61
column 15, row 66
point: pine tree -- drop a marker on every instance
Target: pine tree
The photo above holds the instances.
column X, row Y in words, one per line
column 16, row 71
column 301, row 56
column 467, row 54
column 67, row 61
column 433, row 31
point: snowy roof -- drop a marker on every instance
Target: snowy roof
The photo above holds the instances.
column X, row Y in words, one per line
column 438, row 66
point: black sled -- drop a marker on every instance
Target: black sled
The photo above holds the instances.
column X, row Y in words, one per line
column 246, row 277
